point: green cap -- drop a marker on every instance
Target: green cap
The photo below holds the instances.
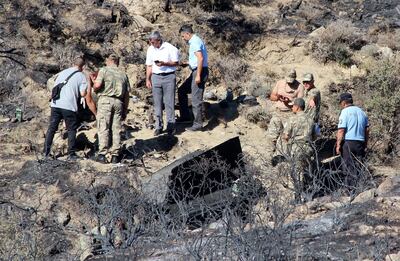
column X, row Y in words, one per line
column 308, row 77
column 291, row 77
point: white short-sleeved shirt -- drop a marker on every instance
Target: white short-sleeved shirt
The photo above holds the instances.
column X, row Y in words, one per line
column 71, row 91
column 166, row 53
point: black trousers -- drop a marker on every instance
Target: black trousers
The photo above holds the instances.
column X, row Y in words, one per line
column 197, row 91
column 353, row 154
column 71, row 121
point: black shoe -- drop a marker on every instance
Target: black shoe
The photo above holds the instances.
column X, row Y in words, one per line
column 171, row 132
column 101, row 158
column 194, row 128
column 157, row 132
column 115, row 159
column 183, row 120
column 72, row 157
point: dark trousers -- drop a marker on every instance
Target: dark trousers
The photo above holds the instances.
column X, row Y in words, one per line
column 197, row 91
column 71, row 121
column 353, row 153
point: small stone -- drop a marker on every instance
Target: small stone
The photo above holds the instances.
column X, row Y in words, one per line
column 63, row 218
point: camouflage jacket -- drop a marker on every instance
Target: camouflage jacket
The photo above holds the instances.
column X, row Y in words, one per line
column 299, row 129
column 115, row 82
column 315, row 94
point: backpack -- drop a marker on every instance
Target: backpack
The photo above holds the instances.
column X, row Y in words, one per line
column 56, row 91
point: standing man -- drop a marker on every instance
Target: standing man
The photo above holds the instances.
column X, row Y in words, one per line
column 284, row 92
column 161, row 61
column 312, row 96
column 353, row 132
column 297, row 134
column 195, row 84
column 112, row 88
column 66, row 106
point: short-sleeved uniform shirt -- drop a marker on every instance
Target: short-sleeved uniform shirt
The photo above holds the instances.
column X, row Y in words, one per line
column 314, row 94
column 282, row 88
column 354, row 121
column 166, row 53
column 197, row 45
column 71, row 91
column 114, row 81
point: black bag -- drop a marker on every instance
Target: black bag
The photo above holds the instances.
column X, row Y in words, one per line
column 55, row 92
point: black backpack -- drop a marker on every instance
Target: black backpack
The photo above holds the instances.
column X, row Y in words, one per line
column 56, row 91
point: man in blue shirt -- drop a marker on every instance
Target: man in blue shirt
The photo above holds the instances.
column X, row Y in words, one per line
column 353, row 132
column 198, row 63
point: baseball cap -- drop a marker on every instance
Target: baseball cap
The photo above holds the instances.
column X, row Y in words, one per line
column 114, row 57
column 299, row 102
column 345, row 97
column 291, row 77
column 308, row 77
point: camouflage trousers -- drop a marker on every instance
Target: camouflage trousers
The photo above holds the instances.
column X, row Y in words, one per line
column 109, row 114
column 275, row 129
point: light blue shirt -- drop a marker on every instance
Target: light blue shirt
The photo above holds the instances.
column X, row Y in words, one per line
column 196, row 45
column 354, row 121
column 71, row 91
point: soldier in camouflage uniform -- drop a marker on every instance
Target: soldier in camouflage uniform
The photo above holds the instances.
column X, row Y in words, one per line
column 112, row 88
column 297, row 135
column 283, row 94
column 312, row 96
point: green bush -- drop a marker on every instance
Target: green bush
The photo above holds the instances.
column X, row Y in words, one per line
column 383, row 92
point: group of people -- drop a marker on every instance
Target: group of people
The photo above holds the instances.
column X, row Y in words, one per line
column 291, row 130
column 162, row 60
column 111, row 86
column 295, row 124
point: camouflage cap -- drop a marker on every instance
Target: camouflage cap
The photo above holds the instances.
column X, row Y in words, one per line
column 291, row 76
column 299, row 102
column 308, row 77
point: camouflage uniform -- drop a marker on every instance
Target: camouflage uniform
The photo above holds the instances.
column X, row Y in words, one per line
column 313, row 112
column 110, row 107
column 298, row 149
column 281, row 114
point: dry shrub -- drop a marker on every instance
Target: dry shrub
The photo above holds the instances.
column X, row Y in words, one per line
column 336, row 42
column 390, row 39
column 257, row 115
column 233, row 71
column 260, row 85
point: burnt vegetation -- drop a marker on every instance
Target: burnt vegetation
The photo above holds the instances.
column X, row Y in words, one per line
column 208, row 209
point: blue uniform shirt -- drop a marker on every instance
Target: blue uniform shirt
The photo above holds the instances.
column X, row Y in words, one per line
column 196, row 45
column 354, row 121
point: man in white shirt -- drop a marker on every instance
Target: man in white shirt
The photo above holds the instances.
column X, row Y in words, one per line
column 161, row 61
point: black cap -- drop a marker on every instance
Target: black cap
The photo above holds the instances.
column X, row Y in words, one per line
column 346, row 97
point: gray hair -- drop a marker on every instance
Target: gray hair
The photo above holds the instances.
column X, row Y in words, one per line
column 155, row 35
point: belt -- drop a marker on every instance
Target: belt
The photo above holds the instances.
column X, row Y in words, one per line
column 194, row 69
column 164, row 74
column 113, row 97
